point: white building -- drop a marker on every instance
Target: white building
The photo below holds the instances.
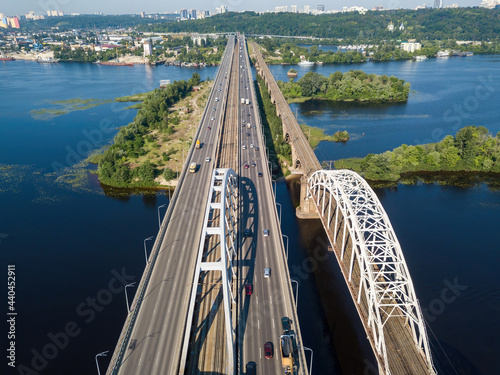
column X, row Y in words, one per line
column 282, row 8
column 490, row 4
column 410, row 46
column 293, row 8
column 221, row 9
column 147, row 49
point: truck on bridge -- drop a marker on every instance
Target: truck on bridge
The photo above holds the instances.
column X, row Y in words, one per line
column 286, row 346
column 198, row 144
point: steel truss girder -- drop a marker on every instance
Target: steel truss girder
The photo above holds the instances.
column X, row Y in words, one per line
column 223, row 185
column 385, row 279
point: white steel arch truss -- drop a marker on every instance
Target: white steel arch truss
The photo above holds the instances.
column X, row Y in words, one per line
column 221, row 204
column 384, row 285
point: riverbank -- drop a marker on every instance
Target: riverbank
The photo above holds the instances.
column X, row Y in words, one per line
column 154, row 145
column 472, row 149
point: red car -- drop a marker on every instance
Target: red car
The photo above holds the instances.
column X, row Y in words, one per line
column 248, row 289
column 268, row 350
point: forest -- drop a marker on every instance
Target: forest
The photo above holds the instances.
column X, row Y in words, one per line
column 115, row 165
column 422, row 24
column 472, row 149
column 354, row 85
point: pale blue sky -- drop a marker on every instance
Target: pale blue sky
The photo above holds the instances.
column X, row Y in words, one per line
column 12, row 7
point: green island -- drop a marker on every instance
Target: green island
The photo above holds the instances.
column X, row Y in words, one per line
column 472, row 149
column 150, row 151
column 63, row 107
column 354, row 85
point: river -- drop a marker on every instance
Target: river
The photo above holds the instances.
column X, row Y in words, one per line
column 74, row 246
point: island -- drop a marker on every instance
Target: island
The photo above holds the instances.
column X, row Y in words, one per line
column 149, row 151
column 472, row 149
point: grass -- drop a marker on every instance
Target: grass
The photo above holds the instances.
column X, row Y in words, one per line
column 315, row 135
column 133, row 98
column 63, row 107
column 351, row 163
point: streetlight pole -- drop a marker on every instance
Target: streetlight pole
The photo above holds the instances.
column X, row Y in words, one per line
column 296, row 293
column 103, row 354
column 159, row 222
column 274, row 185
column 126, row 296
column 145, row 252
column 287, row 240
column 312, row 354
column 279, row 204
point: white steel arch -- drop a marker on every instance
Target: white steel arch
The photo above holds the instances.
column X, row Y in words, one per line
column 222, row 203
column 384, row 285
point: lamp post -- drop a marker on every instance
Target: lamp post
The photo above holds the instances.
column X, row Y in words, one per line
column 159, row 222
column 274, row 185
column 287, row 240
column 312, row 354
column 296, row 293
column 145, row 252
column 103, row 354
column 279, row 204
column 126, row 296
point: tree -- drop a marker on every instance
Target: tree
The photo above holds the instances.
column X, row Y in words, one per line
column 169, row 174
column 146, row 172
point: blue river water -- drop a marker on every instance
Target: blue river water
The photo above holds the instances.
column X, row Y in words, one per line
column 74, row 245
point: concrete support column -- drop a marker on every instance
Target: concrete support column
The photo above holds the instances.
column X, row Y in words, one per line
column 307, row 209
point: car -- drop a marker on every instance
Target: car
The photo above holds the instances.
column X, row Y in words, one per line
column 251, row 368
column 248, row 134
column 208, row 159
column 251, row 145
column 213, row 118
column 209, row 128
column 249, row 114
column 218, row 89
column 216, row 99
column 246, row 166
column 268, row 350
column 267, row 273
column 254, row 165
column 285, row 323
column 248, row 233
column 244, row 147
column 215, row 109
column 266, row 232
column 256, row 148
column 248, row 289
column 260, row 174
column 255, row 126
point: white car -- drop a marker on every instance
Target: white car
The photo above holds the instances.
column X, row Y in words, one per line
column 267, row 273
column 244, row 147
column 208, row 160
column 266, row 232
column 251, row 145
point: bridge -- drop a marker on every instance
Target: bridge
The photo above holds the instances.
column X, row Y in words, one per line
column 191, row 313
column 304, row 160
column 216, row 286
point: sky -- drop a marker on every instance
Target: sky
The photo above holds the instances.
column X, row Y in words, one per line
column 16, row 7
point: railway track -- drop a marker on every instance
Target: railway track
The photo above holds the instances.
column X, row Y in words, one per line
column 208, row 341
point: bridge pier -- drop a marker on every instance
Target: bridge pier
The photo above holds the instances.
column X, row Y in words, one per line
column 306, row 209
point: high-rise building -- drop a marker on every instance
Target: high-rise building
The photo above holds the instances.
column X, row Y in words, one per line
column 307, row 9
column 143, row 14
column 293, row 8
column 192, row 14
column 147, row 49
column 438, row 3
column 320, row 8
column 283, row 8
column 184, row 14
column 221, row 9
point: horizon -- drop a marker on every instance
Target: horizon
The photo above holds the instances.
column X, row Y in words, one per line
column 155, row 6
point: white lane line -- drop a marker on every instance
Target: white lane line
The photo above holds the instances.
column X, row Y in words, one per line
column 258, row 323
column 273, row 324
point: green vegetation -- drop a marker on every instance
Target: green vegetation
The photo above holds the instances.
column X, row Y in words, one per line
column 89, row 21
column 354, row 85
column 472, row 149
column 341, row 136
column 315, row 135
column 423, row 24
column 279, row 150
column 119, row 166
column 66, row 106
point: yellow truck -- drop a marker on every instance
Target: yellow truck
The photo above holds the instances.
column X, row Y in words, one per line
column 286, row 347
column 198, row 144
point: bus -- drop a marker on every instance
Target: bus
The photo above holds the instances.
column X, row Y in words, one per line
column 192, row 167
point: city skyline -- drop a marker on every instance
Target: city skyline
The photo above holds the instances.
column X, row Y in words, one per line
column 156, row 6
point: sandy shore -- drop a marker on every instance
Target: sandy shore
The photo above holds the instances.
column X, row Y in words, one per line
column 31, row 55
